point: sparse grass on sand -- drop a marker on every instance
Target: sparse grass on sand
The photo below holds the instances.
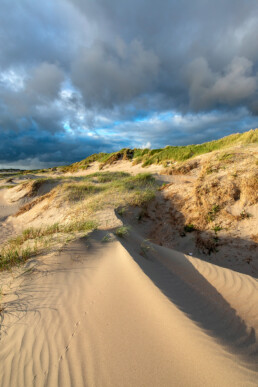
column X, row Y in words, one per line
column 31, row 241
column 85, row 196
column 111, row 189
column 33, row 186
column 7, row 186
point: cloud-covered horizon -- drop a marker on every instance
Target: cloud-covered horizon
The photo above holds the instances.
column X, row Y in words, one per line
column 79, row 77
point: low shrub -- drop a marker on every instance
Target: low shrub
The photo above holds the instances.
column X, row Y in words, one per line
column 189, row 228
column 122, row 231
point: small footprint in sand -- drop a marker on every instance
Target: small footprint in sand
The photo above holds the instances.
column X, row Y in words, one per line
column 76, row 325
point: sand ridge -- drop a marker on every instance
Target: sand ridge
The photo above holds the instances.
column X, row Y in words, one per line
column 102, row 314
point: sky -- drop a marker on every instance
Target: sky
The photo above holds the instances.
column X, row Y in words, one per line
column 84, row 76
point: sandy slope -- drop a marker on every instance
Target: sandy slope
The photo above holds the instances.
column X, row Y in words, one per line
column 229, row 240
column 6, row 209
column 101, row 314
column 117, row 166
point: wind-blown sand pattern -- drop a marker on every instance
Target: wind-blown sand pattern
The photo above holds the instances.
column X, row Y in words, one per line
column 101, row 314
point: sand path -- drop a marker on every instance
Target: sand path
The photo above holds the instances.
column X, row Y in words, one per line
column 101, row 314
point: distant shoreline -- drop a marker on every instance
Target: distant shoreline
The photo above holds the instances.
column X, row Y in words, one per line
column 11, row 170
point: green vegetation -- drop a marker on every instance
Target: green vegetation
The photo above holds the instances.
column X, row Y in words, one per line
column 163, row 155
column 107, row 238
column 146, row 248
column 212, row 169
column 121, row 211
column 217, row 228
column 84, row 164
column 28, row 243
column 122, row 231
column 86, row 195
column 212, row 213
column 34, row 233
column 112, row 189
column 244, row 215
column 189, row 228
column 225, row 156
column 105, row 177
column 13, row 255
column 182, row 153
column 79, row 191
column 6, row 186
column 34, row 185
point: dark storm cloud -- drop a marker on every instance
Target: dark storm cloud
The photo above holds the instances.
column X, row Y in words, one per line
column 33, row 103
column 207, row 89
column 72, row 69
column 220, row 36
column 48, row 150
column 38, row 31
column 109, row 75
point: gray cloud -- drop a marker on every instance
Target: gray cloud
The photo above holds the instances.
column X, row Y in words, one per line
column 109, row 75
column 235, row 85
column 220, row 33
column 75, row 68
column 45, row 81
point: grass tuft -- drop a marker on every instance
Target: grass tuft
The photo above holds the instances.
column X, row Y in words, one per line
column 189, row 228
column 213, row 212
column 16, row 251
column 122, row 231
column 79, row 191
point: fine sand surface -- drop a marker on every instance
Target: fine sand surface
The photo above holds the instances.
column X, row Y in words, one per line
column 115, row 314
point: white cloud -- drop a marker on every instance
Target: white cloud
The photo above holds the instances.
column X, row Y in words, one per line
column 147, row 145
column 12, row 79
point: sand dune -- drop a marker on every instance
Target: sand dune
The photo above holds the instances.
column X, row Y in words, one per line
column 102, row 314
column 6, row 209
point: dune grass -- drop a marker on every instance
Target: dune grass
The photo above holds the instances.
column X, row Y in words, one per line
column 34, row 185
column 105, row 189
column 31, row 241
column 122, row 231
column 105, row 177
column 79, row 191
column 169, row 153
column 182, row 153
column 95, row 192
column 7, row 186
column 84, row 164
column 11, row 255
